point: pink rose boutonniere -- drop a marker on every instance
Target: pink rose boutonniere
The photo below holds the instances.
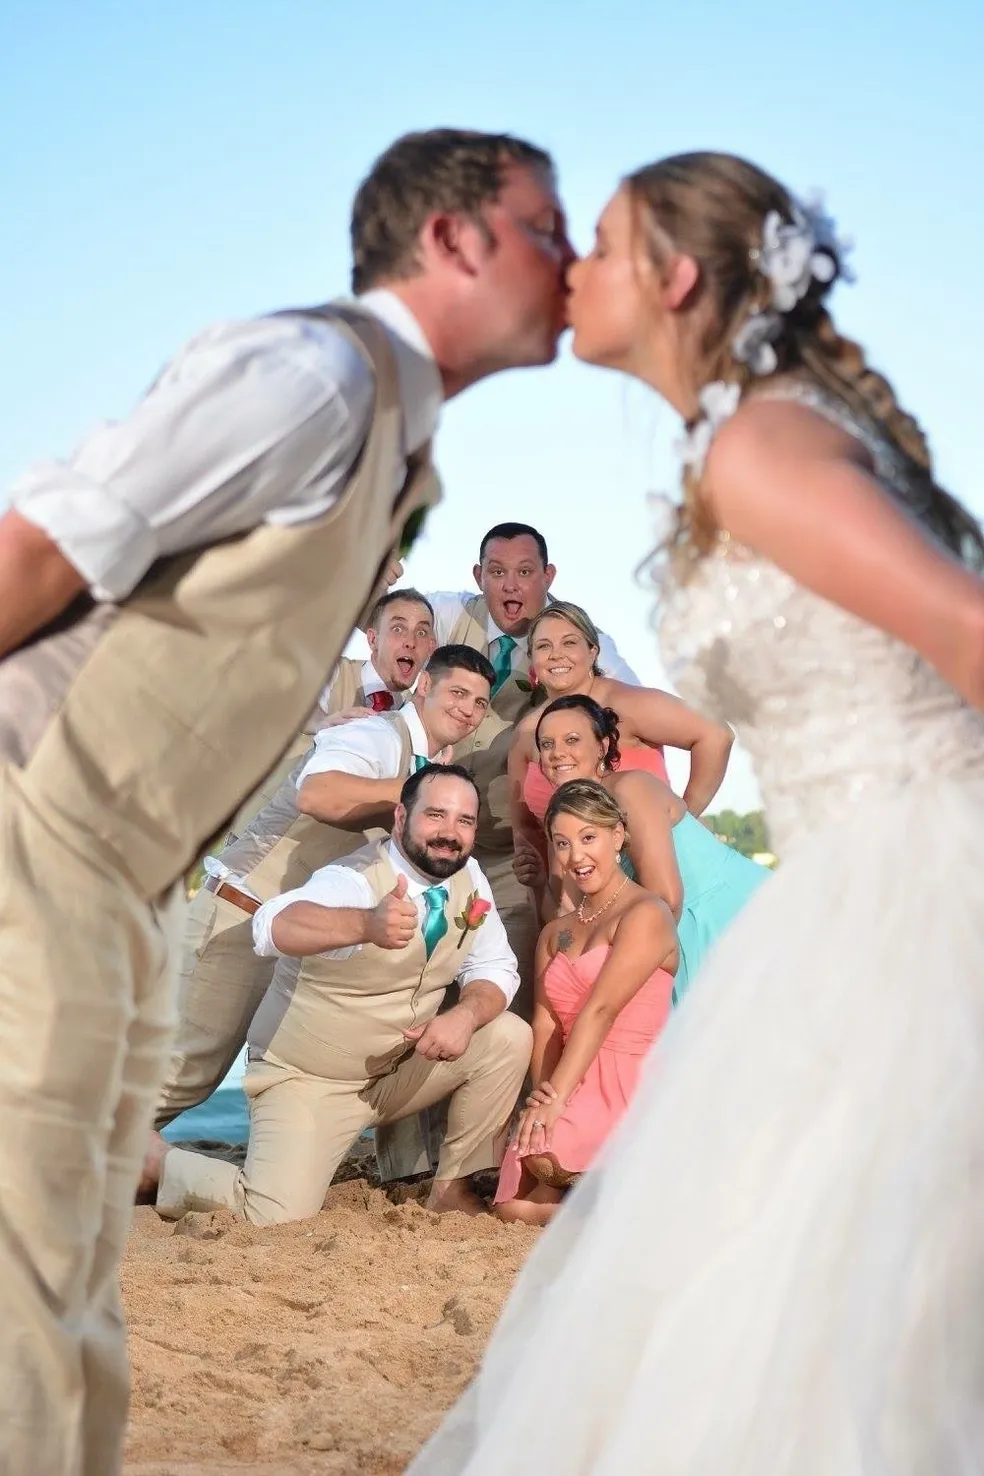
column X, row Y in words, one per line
column 472, row 915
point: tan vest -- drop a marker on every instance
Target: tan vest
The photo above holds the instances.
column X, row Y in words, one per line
column 281, row 848
column 346, row 691
column 344, row 1018
column 144, row 725
column 486, row 753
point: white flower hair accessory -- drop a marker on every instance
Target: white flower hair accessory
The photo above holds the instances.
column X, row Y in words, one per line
column 793, row 255
column 718, row 402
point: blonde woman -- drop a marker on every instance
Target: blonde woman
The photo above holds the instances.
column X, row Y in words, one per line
column 563, row 646
column 604, row 984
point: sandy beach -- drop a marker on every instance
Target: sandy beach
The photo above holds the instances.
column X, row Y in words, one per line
column 331, row 1345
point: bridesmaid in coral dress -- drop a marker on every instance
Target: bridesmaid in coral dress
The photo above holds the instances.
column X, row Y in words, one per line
column 563, row 644
column 667, row 851
column 604, row 981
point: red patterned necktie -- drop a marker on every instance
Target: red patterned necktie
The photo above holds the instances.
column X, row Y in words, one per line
column 380, row 701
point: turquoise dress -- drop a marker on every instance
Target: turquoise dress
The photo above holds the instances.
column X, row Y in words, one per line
column 717, row 882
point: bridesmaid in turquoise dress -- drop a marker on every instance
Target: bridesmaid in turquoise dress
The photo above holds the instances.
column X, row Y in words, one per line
column 669, row 852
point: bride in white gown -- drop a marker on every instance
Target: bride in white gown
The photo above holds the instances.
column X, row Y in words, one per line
column 779, row 1268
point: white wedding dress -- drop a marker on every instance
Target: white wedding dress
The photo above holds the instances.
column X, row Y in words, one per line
column 779, row 1268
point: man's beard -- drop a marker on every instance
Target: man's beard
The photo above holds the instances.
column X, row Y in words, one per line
column 440, row 867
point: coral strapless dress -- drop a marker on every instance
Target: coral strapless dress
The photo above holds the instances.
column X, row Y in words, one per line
column 717, row 881
column 600, row 1101
column 537, row 789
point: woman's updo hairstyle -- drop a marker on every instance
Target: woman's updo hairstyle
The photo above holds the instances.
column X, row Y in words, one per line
column 586, row 800
column 603, row 720
column 713, row 208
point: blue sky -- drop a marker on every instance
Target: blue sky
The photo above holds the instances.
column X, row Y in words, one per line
column 167, row 165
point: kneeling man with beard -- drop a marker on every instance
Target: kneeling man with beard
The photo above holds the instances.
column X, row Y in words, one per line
column 349, row 1035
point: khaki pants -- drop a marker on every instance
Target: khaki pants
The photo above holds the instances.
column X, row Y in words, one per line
column 222, row 983
column 412, row 1146
column 86, row 1011
column 301, row 1126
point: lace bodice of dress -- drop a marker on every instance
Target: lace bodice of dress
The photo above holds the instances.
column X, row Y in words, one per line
column 830, row 709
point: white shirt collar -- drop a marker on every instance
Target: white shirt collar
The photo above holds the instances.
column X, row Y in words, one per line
column 419, row 741
column 369, row 679
column 421, row 390
column 417, row 882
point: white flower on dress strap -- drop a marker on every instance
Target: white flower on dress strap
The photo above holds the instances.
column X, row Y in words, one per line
column 793, row 254
column 718, row 401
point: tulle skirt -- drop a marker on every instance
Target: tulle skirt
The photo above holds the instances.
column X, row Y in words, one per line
column 778, row 1267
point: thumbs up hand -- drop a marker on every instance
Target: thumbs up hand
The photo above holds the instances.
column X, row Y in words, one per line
column 393, row 921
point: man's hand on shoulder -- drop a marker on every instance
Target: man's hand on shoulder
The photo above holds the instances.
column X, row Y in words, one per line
column 393, row 921
column 347, row 715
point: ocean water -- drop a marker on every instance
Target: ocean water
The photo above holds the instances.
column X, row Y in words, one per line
column 223, row 1118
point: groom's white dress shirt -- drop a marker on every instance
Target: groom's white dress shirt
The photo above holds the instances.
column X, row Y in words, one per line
column 243, row 411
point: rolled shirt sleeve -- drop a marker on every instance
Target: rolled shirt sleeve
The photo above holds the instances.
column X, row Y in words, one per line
column 329, row 886
column 490, row 957
column 369, row 748
column 252, row 422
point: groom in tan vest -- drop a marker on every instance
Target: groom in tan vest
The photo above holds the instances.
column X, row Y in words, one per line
column 174, row 598
column 349, row 1037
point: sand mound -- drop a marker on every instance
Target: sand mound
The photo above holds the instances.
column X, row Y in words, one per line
column 331, row 1345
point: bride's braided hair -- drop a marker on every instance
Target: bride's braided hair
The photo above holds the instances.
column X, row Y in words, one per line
column 712, row 207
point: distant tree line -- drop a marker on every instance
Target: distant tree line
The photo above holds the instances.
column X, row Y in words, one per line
column 747, row 833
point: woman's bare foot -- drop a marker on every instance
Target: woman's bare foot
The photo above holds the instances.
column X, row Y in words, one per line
column 535, row 1204
column 526, row 1211
column 455, row 1194
column 150, row 1174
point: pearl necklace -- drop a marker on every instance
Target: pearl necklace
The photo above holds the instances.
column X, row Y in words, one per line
column 605, row 906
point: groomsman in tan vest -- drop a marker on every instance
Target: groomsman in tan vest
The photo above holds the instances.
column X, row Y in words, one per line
column 175, row 596
column 360, row 770
column 400, row 634
column 221, row 980
column 349, row 1036
column 514, row 575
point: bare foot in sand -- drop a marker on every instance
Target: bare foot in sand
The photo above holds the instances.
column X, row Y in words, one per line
column 455, row 1194
column 150, row 1174
column 526, row 1211
column 535, row 1203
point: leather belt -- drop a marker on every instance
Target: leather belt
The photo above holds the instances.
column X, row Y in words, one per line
column 232, row 894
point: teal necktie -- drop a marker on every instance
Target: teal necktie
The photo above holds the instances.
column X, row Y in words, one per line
column 419, row 762
column 502, row 665
column 435, row 923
